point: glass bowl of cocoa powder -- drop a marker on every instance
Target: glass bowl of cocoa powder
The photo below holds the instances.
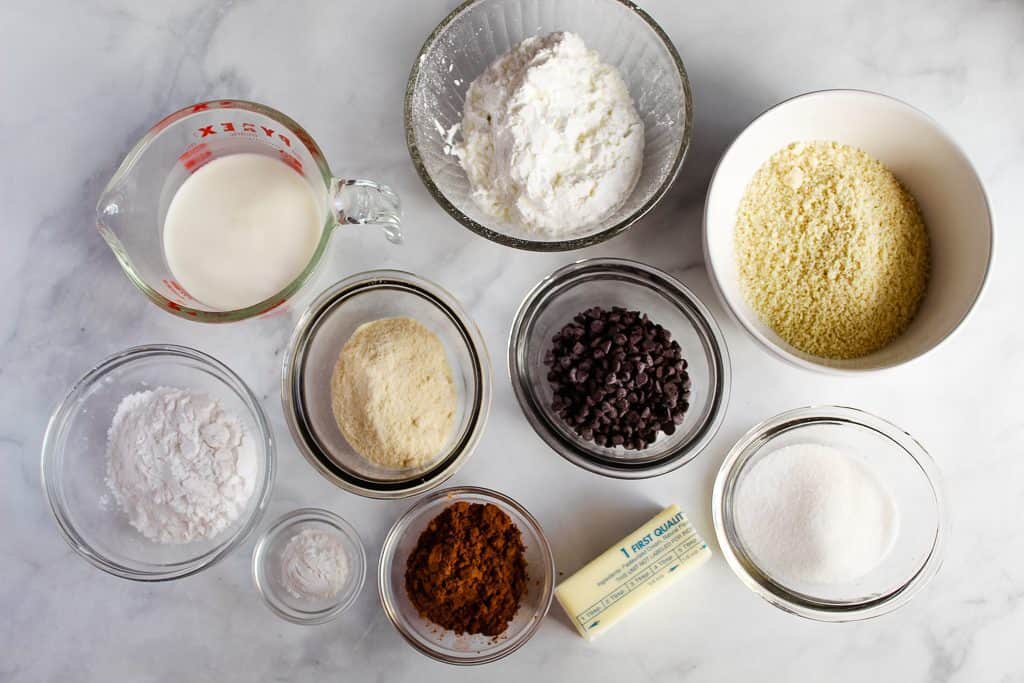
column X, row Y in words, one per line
column 473, row 634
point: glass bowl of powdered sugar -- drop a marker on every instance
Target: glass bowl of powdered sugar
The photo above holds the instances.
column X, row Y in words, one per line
column 157, row 463
column 831, row 513
column 548, row 126
column 309, row 566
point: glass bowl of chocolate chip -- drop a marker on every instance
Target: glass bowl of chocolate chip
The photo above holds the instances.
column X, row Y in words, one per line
column 619, row 367
column 466, row 575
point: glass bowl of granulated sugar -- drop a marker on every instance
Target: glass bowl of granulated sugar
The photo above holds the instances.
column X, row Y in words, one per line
column 548, row 126
column 831, row 513
column 157, row 463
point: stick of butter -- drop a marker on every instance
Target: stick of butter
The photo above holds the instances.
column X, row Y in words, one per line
column 632, row 571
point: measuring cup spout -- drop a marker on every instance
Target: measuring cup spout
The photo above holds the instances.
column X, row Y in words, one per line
column 111, row 213
column 362, row 202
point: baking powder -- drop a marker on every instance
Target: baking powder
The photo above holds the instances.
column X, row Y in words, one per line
column 314, row 564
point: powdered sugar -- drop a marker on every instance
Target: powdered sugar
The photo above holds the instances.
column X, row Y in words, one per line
column 551, row 138
column 314, row 564
column 179, row 465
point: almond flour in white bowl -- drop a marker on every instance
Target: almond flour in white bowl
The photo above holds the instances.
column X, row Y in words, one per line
column 551, row 138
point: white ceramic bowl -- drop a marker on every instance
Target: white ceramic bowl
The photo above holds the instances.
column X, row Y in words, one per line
column 924, row 158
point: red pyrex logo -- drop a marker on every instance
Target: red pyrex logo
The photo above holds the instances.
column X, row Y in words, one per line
column 229, row 127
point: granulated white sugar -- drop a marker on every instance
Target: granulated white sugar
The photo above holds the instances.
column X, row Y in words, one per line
column 812, row 513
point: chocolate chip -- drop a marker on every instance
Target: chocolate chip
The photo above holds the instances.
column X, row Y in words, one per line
column 617, row 378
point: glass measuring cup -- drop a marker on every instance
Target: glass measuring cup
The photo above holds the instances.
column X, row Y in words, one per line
column 131, row 210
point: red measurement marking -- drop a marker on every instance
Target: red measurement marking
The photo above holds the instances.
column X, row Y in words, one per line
column 165, row 121
column 202, row 106
column 193, row 158
column 171, row 304
column 178, row 290
column 305, row 139
column 290, row 159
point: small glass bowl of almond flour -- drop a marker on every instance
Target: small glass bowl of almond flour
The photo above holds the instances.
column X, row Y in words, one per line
column 309, row 566
column 325, row 329
column 831, row 513
column 474, row 36
column 75, row 465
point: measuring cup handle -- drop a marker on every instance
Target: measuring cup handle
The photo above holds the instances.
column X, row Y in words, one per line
column 366, row 202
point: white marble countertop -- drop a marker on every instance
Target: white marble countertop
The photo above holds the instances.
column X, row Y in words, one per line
column 80, row 81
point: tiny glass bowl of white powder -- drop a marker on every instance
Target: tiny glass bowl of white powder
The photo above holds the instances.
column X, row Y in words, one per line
column 831, row 513
column 548, row 126
column 158, row 463
column 309, row 566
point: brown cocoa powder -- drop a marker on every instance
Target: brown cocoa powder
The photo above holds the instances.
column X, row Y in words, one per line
column 468, row 570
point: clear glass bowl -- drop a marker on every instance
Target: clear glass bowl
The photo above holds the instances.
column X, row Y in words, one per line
column 610, row 282
column 319, row 336
column 435, row 641
column 899, row 462
column 267, row 569
column 476, row 33
column 74, row 465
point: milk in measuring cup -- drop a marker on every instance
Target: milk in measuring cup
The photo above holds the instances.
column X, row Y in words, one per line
column 240, row 229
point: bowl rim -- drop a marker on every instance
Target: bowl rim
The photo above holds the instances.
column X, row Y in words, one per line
column 547, row 245
column 282, row 524
column 787, row 355
column 454, row 494
column 682, row 454
column 64, row 411
column 794, row 603
column 293, row 365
